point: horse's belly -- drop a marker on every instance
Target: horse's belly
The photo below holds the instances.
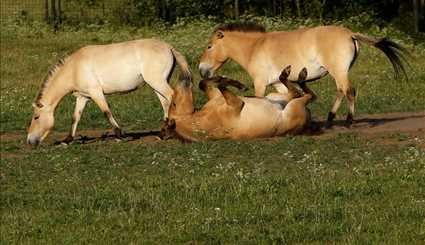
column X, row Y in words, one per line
column 314, row 71
column 258, row 119
column 121, row 82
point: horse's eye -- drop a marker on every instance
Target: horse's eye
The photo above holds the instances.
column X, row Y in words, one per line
column 36, row 117
column 209, row 47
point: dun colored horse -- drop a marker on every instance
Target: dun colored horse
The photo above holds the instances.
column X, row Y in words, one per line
column 95, row 71
column 322, row 50
column 227, row 116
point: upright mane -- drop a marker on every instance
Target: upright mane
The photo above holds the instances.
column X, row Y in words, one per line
column 52, row 71
column 241, row 27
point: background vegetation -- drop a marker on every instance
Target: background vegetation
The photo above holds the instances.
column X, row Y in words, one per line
column 345, row 188
column 409, row 15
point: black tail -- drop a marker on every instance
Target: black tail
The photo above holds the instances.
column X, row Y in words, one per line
column 395, row 52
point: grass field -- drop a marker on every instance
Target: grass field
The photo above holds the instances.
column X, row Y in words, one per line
column 347, row 188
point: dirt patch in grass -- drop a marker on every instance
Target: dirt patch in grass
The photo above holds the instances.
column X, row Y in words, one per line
column 402, row 128
column 413, row 122
column 387, row 128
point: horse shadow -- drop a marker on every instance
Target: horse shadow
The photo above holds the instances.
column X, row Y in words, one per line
column 318, row 127
column 128, row 136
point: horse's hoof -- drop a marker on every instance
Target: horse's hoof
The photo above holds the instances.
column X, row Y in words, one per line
column 329, row 121
column 349, row 121
column 118, row 133
column 67, row 140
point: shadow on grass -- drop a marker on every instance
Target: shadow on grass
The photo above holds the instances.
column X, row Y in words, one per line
column 128, row 136
column 403, row 122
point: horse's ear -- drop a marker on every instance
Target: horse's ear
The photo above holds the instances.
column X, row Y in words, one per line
column 220, row 34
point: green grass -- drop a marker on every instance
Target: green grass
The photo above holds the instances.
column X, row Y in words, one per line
column 343, row 189
column 334, row 190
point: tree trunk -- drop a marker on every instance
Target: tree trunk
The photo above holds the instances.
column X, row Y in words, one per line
column 46, row 11
column 298, row 7
column 53, row 9
column 416, row 14
column 237, row 9
column 422, row 16
column 59, row 11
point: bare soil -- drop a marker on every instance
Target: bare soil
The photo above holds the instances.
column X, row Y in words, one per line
column 409, row 125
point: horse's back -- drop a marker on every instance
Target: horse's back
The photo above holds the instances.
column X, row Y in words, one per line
column 121, row 67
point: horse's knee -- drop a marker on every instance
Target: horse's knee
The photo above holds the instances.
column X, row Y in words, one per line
column 350, row 93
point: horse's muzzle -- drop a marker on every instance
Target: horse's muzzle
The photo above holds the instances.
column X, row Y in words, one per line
column 205, row 71
column 34, row 141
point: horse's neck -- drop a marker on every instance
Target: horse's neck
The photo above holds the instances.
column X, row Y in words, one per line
column 54, row 91
column 240, row 46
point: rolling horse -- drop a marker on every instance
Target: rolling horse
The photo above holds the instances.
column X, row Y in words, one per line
column 228, row 116
column 322, row 50
column 98, row 70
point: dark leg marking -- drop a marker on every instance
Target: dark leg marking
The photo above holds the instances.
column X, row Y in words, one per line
column 303, row 75
column 331, row 117
column 349, row 120
column 351, row 93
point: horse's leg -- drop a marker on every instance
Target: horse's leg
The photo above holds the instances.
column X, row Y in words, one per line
column 164, row 93
column 350, row 93
column 260, row 88
column 280, row 87
column 80, row 103
column 344, row 88
column 335, row 107
column 232, row 100
column 99, row 98
column 296, row 116
column 307, row 90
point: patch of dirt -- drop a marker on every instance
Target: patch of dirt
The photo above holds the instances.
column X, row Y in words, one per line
column 401, row 128
column 383, row 123
column 388, row 128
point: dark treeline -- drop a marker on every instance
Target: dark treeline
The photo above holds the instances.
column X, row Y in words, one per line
column 145, row 12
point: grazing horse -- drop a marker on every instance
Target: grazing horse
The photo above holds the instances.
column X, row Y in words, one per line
column 322, row 50
column 95, row 71
column 227, row 116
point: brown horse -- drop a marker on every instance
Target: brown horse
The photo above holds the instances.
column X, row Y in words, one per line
column 227, row 116
column 322, row 50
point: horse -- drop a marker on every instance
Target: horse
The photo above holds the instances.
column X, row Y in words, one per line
column 227, row 116
column 94, row 71
column 322, row 50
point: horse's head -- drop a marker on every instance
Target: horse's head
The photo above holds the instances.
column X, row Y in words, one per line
column 41, row 123
column 182, row 100
column 214, row 56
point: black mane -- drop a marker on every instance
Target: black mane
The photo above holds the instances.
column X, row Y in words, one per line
column 241, row 27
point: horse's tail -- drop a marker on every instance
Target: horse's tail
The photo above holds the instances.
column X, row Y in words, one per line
column 185, row 74
column 394, row 52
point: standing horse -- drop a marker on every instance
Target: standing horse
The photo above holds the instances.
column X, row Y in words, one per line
column 227, row 116
column 95, row 71
column 322, row 50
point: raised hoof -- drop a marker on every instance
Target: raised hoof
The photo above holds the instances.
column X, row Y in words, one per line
column 329, row 121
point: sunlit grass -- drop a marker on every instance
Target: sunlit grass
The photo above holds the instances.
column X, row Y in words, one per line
column 343, row 189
